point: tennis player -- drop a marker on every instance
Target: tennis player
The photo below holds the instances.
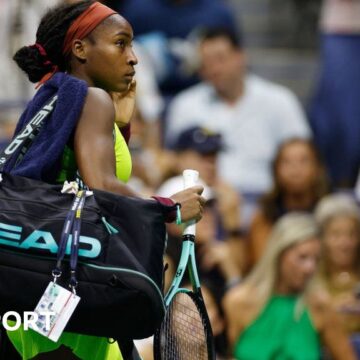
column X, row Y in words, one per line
column 83, row 52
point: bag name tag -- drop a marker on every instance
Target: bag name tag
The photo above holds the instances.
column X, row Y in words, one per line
column 61, row 303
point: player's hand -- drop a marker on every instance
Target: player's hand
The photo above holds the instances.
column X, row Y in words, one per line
column 191, row 201
column 124, row 104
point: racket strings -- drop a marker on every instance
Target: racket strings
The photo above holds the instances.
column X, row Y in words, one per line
column 182, row 333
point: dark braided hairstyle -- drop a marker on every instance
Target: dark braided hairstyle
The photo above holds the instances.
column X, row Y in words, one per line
column 50, row 35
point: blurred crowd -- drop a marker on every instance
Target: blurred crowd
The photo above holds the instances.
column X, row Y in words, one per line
column 279, row 243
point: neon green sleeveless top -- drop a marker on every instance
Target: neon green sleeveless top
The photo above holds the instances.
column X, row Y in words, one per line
column 29, row 343
column 277, row 335
column 122, row 158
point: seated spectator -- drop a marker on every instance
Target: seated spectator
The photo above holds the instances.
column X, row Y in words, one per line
column 166, row 28
column 216, row 260
column 299, row 182
column 253, row 115
column 339, row 218
column 276, row 313
column 199, row 148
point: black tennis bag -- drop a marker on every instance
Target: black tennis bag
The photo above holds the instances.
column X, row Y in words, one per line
column 121, row 246
column 119, row 274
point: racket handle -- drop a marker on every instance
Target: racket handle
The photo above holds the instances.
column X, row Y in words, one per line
column 190, row 178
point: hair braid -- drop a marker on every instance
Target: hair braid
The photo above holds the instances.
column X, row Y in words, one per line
column 50, row 34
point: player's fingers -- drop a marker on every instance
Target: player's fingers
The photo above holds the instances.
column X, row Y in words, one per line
column 198, row 189
column 202, row 201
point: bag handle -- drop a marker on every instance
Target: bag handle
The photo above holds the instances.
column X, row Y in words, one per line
column 27, row 134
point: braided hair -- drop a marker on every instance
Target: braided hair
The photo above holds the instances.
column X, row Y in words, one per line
column 50, row 35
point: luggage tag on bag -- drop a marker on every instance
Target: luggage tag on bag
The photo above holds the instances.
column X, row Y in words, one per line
column 54, row 311
column 60, row 302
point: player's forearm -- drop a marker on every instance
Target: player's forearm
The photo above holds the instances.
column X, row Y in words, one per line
column 112, row 184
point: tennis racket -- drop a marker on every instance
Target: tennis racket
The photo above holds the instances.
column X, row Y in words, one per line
column 185, row 333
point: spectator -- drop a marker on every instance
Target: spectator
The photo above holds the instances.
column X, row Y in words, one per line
column 299, row 182
column 253, row 115
column 335, row 109
column 199, row 148
column 339, row 218
column 168, row 26
column 276, row 313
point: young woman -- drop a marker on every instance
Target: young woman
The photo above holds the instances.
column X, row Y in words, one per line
column 299, row 182
column 339, row 272
column 275, row 313
column 83, row 53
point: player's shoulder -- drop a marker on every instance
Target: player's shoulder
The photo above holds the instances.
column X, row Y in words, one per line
column 98, row 100
column 98, row 106
column 98, row 96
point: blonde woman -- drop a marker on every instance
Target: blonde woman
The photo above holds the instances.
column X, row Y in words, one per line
column 339, row 272
column 276, row 313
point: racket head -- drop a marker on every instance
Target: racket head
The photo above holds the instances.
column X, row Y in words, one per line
column 185, row 332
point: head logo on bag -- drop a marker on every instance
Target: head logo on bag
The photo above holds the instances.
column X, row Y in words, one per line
column 34, row 124
column 11, row 235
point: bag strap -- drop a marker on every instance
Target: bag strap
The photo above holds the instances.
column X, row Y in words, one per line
column 72, row 227
column 76, row 241
column 27, row 134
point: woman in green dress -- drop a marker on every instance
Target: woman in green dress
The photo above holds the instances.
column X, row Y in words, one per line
column 277, row 314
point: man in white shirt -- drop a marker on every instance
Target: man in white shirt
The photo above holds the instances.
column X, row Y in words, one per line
column 253, row 115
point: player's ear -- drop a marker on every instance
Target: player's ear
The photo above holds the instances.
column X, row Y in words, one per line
column 80, row 49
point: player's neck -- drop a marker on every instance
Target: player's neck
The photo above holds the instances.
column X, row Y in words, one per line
column 80, row 74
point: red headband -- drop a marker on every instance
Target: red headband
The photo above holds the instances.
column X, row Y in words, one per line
column 85, row 24
column 79, row 29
